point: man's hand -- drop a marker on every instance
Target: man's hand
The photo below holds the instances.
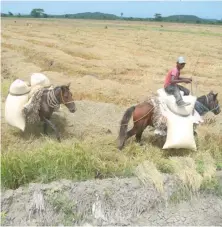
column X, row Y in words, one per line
column 188, row 80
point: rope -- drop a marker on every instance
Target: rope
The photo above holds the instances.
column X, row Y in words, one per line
column 52, row 100
column 143, row 116
column 140, row 118
column 19, row 94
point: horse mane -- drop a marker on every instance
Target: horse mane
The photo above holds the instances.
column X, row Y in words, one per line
column 203, row 98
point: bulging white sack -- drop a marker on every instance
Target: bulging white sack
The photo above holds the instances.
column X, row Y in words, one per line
column 181, row 110
column 19, row 87
column 170, row 101
column 40, row 79
column 161, row 92
column 179, row 132
column 13, row 110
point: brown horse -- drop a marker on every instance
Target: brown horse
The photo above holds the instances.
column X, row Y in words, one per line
column 50, row 101
column 143, row 112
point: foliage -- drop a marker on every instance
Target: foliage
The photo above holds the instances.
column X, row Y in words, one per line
column 37, row 12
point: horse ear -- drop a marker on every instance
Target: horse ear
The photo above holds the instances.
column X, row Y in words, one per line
column 68, row 85
column 215, row 96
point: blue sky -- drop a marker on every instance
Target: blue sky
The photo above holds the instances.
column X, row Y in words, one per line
column 203, row 9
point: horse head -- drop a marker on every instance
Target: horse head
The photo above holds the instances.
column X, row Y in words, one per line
column 213, row 103
column 66, row 98
column 207, row 103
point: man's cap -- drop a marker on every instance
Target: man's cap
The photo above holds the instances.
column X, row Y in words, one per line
column 181, row 60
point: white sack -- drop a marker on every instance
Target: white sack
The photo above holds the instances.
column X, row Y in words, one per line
column 179, row 132
column 40, row 79
column 170, row 101
column 19, row 87
column 13, row 110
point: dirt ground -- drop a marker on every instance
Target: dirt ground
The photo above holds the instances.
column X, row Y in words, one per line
column 121, row 202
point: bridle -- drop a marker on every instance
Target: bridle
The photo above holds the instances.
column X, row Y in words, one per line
column 53, row 102
column 63, row 102
column 208, row 104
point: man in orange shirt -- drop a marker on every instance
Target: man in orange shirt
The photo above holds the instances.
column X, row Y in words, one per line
column 173, row 78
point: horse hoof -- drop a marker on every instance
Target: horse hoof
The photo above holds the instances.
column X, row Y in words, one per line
column 120, row 148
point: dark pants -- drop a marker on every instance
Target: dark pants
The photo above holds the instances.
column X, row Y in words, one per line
column 174, row 89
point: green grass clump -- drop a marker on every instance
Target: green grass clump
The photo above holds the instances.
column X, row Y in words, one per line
column 50, row 162
column 212, row 186
column 53, row 161
column 27, row 158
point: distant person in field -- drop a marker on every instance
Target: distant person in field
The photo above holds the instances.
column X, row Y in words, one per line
column 172, row 81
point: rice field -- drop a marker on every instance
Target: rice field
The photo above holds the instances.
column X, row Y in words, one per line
column 111, row 65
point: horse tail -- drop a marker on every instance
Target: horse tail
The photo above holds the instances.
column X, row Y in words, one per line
column 124, row 125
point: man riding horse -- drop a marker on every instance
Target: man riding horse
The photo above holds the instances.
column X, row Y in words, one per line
column 145, row 114
column 173, row 78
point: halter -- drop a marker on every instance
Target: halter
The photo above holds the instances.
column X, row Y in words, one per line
column 63, row 99
column 53, row 101
column 215, row 108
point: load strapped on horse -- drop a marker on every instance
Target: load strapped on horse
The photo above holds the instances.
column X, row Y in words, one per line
column 175, row 122
column 30, row 103
column 178, row 120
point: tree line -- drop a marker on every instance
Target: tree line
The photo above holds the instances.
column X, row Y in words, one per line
column 40, row 13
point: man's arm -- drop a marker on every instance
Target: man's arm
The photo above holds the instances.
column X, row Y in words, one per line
column 186, row 78
column 180, row 80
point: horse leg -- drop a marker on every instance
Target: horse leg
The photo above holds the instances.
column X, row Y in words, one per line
column 131, row 132
column 45, row 126
column 47, row 121
column 138, row 136
column 143, row 124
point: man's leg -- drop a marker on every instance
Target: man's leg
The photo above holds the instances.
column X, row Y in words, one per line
column 175, row 91
column 185, row 90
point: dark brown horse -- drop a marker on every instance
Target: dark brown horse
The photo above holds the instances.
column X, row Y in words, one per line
column 143, row 112
column 50, row 101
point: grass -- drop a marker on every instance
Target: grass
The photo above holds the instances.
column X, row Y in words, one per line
column 5, row 87
column 61, row 203
column 212, row 186
column 202, row 33
column 3, row 217
column 89, row 159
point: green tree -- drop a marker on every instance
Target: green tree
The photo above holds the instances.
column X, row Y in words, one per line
column 10, row 14
column 37, row 12
column 158, row 17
